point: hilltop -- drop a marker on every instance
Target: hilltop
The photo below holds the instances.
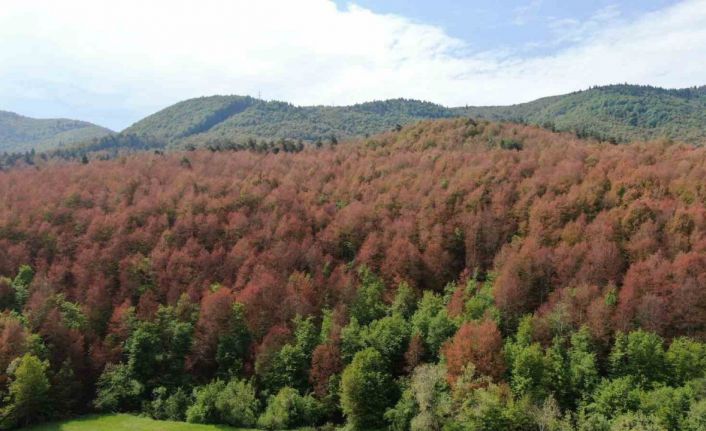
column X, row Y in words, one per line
column 619, row 113
column 19, row 133
column 217, row 118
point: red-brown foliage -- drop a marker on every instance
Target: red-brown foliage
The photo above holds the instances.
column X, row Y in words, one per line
column 479, row 344
column 325, row 362
column 561, row 223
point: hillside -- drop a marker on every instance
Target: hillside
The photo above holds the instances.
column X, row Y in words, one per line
column 18, row 133
column 620, row 113
column 218, row 118
column 464, row 274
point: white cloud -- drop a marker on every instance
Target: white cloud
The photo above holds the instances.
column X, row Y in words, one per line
column 114, row 62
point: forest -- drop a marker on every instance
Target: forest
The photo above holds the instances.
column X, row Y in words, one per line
column 447, row 275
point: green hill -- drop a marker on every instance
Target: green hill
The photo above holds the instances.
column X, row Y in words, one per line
column 620, row 113
column 617, row 113
column 19, row 133
column 217, row 118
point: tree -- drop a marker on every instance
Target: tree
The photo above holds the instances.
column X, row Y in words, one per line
column 290, row 365
column 641, row 355
column 432, row 396
column 28, row 396
column 367, row 390
column 233, row 344
column 368, row 304
column 431, row 321
column 583, row 368
column 325, row 363
column 615, row 397
column 21, row 285
column 686, row 359
column 389, row 336
column 118, row 390
column 477, row 343
column 696, row 417
column 405, row 300
column 528, row 372
column 233, row 403
column 288, row 409
column 636, row 422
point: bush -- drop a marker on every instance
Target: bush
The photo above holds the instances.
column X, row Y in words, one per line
column 118, row 390
column 165, row 406
column 233, row 403
column 288, row 409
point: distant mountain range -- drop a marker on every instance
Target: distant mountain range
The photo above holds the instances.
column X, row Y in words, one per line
column 19, row 133
column 618, row 113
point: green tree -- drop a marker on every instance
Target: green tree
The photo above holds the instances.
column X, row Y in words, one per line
column 233, row 403
column 405, row 301
column 166, row 406
column 233, row 344
column 290, row 366
column 432, row 322
column 667, row 405
column 432, row 396
column 367, row 390
column 156, row 350
column 389, row 336
column 368, row 304
column 583, row 367
column 288, row 409
column 529, row 372
column 615, row 397
column 686, row 359
column 639, row 354
column 28, row 395
column 21, row 283
column 237, row 404
column 636, row 421
column 118, row 390
column 696, row 417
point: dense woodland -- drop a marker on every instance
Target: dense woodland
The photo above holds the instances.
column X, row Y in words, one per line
column 451, row 275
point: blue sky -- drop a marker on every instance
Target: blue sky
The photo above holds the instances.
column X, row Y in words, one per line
column 113, row 63
column 531, row 26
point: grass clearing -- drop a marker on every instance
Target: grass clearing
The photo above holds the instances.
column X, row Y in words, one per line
column 122, row 422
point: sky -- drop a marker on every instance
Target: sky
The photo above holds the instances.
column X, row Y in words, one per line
column 114, row 62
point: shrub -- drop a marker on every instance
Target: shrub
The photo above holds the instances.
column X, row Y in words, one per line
column 233, row 403
column 289, row 409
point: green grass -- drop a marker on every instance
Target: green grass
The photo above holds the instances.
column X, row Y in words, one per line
column 125, row 423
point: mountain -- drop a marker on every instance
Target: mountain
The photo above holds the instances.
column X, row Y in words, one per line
column 619, row 113
column 217, row 118
column 19, row 133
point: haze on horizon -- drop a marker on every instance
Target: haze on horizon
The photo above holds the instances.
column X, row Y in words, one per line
column 114, row 63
